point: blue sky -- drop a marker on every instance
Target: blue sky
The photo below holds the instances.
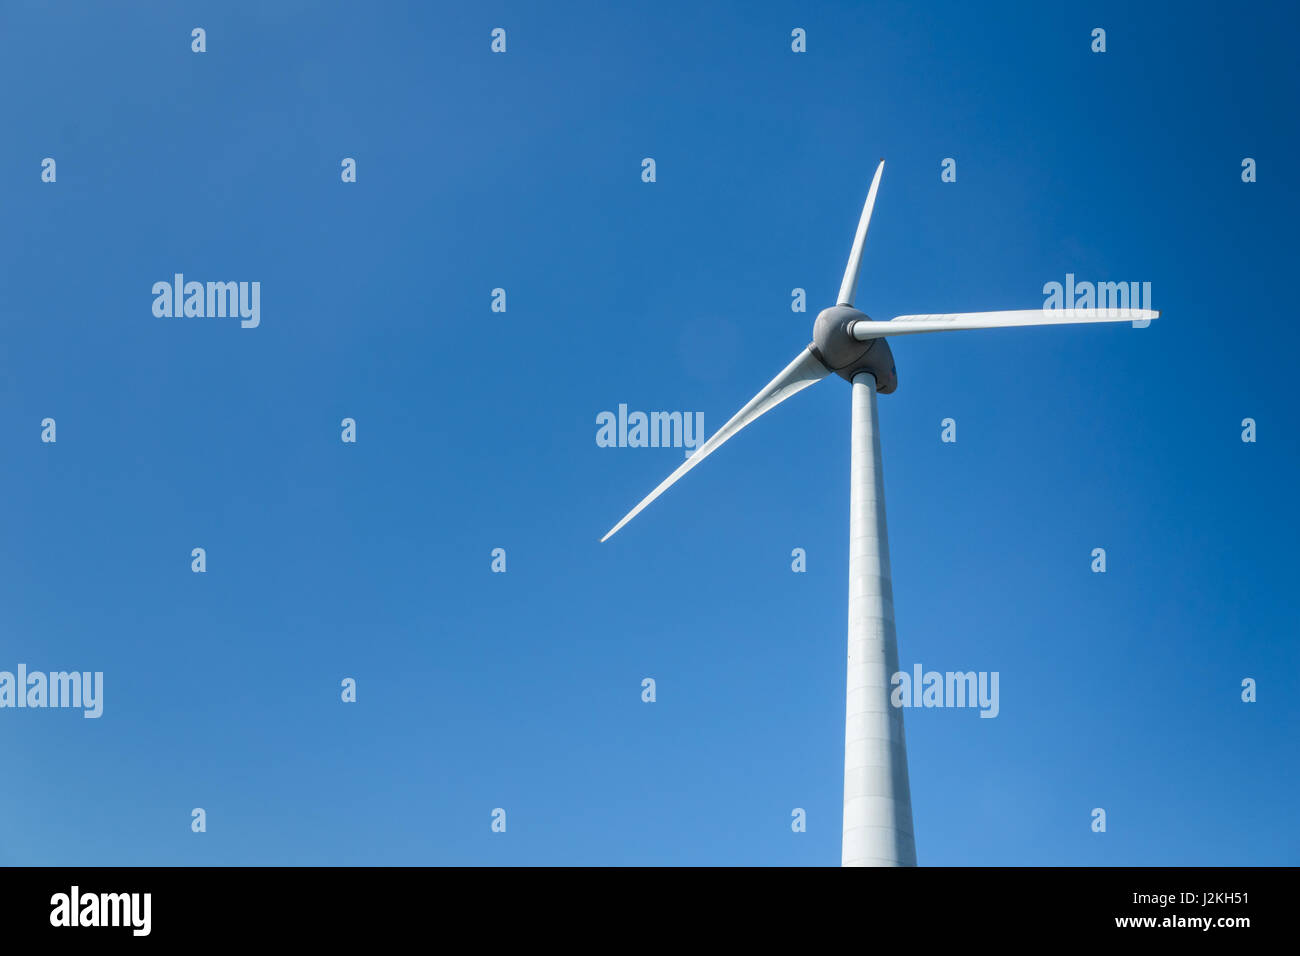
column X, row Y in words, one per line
column 477, row 430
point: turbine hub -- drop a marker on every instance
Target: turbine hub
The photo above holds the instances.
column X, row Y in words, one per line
column 846, row 356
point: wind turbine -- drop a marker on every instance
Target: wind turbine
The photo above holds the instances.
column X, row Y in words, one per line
column 877, row 796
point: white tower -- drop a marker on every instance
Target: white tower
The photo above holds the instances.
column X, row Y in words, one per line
column 877, row 798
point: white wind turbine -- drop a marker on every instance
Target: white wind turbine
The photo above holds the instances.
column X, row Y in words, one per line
column 877, row 796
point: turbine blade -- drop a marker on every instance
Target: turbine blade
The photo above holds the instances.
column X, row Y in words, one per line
column 805, row 370
column 950, row 321
column 849, row 287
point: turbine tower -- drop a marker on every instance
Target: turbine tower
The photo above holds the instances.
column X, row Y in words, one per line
column 877, row 796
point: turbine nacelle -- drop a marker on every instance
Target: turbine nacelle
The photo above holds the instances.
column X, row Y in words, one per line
column 836, row 348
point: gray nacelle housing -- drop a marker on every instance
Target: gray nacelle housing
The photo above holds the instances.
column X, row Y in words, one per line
column 846, row 356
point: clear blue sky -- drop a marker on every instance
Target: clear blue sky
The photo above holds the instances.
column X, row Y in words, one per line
column 476, row 430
